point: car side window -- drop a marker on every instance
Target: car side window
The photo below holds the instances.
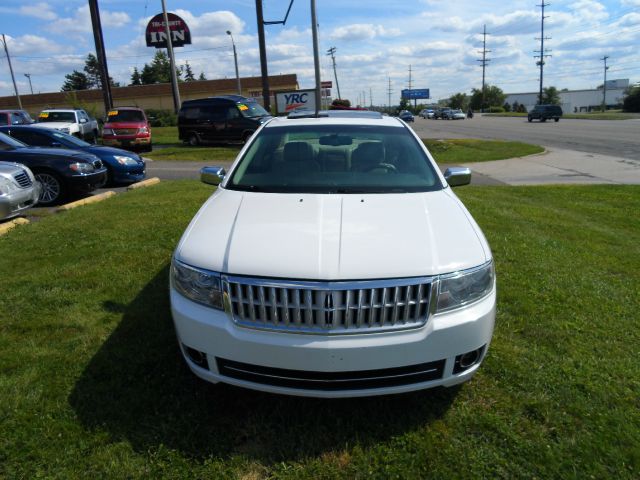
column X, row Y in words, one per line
column 232, row 113
column 4, row 119
column 191, row 113
column 16, row 119
column 31, row 138
column 213, row 113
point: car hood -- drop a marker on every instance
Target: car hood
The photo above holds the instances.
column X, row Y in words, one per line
column 125, row 125
column 333, row 237
column 56, row 125
column 59, row 152
column 104, row 151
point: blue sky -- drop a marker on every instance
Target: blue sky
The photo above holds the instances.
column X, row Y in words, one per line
column 376, row 40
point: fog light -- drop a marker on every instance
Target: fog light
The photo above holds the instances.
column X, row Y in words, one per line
column 197, row 357
column 467, row 360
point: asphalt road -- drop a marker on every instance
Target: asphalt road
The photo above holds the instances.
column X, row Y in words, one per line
column 616, row 138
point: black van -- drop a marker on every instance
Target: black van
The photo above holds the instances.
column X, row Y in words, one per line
column 545, row 112
column 227, row 118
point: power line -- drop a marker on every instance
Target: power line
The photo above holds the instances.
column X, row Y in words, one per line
column 484, row 61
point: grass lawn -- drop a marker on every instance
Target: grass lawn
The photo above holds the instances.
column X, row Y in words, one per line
column 93, row 384
column 473, row 150
column 444, row 151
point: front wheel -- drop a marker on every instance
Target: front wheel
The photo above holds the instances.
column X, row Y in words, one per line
column 529, row 119
column 194, row 141
column 556, row 119
column 52, row 188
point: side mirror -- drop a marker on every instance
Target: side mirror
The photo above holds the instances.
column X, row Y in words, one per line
column 212, row 175
column 456, row 176
column 83, row 120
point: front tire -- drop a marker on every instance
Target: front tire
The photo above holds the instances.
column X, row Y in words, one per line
column 52, row 188
column 193, row 140
column 556, row 119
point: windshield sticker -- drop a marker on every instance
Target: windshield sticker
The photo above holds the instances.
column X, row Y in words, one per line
column 243, row 107
column 43, row 114
column 113, row 113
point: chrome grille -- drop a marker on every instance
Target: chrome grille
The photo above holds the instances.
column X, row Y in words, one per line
column 328, row 307
column 23, row 179
column 125, row 131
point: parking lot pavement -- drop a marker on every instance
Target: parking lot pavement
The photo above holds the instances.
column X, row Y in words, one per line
column 558, row 166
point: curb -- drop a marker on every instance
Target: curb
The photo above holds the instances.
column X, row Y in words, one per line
column 6, row 227
column 86, row 201
column 144, row 183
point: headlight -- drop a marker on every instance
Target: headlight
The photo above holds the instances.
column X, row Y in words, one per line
column 7, row 186
column 65, row 130
column 201, row 286
column 143, row 130
column 461, row 288
column 122, row 160
column 82, row 167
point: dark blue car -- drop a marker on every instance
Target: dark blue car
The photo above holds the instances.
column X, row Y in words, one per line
column 122, row 166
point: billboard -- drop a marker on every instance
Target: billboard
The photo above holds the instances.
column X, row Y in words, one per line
column 157, row 36
column 295, row 100
column 416, row 94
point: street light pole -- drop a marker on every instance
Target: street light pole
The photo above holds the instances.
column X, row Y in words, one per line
column 28, row 75
column 604, row 85
column 235, row 59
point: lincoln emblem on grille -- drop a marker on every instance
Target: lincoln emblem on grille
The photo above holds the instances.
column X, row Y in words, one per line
column 329, row 309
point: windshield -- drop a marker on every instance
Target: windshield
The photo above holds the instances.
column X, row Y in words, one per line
column 125, row 116
column 252, row 109
column 335, row 159
column 57, row 117
column 69, row 139
column 10, row 141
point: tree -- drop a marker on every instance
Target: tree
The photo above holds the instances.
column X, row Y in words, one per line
column 459, row 100
column 92, row 71
column 494, row 97
column 507, row 107
column 632, row 100
column 135, row 77
column 188, row 73
column 550, row 96
column 75, row 81
column 404, row 104
column 515, row 107
column 202, row 77
column 158, row 71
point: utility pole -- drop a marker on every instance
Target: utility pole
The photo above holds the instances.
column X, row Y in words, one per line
column 415, row 100
column 235, row 61
column 15, row 87
column 101, row 55
column 28, row 75
column 389, row 91
column 604, row 85
column 263, row 57
column 172, row 61
column 316, row 54
column 483, row 62
column 542, row 51
column 332, row 52
column 370, row 97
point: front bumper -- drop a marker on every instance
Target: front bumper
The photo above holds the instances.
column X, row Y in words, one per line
column 261, row 359
column 17, row 202
column 126, row 141
column 87, row 182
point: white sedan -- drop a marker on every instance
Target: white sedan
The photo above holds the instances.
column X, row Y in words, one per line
column 458, row 115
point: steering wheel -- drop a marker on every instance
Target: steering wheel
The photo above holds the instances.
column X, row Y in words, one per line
column 387, row 166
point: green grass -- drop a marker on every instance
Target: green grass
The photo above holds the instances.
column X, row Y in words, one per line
column 616, row 115
column 473, row 150
column 165, row 135
column 195, row 154
column 92, row 383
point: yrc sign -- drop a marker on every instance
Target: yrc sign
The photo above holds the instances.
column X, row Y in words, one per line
column 157, row 36
column 296, row 99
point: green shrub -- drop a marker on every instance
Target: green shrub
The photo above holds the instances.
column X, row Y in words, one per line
column 496, row 109
column 161, row 118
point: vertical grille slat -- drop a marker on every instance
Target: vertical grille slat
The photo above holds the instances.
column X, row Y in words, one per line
column 328, row 308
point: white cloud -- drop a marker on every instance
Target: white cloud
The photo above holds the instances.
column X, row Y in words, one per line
column 362, row 31
column 589, row 10
column 81, row 21
column 40, row 10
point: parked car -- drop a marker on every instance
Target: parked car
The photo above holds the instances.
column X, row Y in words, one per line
column 334, row 260
column 73, row 121
column 426, row 113
column 122, row 166
column 60, row 171
column 442, row 113
column 545, row 112
column 457, row 115
column 406, row 115
column 19, row 189
column 227, row 118
column 127, row 127
column 15, row 117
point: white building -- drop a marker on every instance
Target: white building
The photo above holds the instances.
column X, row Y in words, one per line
column 577, row 100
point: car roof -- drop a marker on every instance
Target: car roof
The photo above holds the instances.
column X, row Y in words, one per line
column 125, row 108
column 342, row 119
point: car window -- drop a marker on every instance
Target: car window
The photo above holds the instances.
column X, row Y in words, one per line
column 4, row 119
column 191, row 113
column 31, row 138
column 252, row 109
column 232, row 112
column 7, row 143
column 213, row 112
column 334, row 159
column 57, row 117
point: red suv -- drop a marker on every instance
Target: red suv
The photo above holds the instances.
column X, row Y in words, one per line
column 127, row 127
